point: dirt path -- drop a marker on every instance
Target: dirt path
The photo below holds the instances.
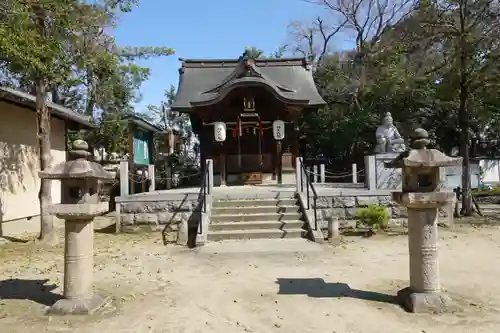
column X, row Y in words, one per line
column 261, row 286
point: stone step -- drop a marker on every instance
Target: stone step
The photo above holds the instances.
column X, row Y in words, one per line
column 253, row 225
column 254, row 210
column 256, row 234
column 255, row 202
column 255, row 217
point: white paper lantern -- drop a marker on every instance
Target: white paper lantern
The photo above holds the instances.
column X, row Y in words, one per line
column 220, row 131
column 278, row 129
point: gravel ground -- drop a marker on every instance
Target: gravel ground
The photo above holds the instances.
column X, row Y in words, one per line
column 255, row 286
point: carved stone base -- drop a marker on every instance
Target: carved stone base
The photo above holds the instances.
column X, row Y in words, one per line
column 78, row 306
column 425, row 302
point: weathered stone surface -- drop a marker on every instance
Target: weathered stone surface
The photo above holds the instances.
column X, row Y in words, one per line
column 366, row 200
column 127, row 219
column 432, row 303
column 173, row 206
column 344, row 202
column 338, row 213
column 146, row 218
column 165, row 217
column 399, row 212
column 385, row 200
column 350, row 212
column 158, row 206
column 324, row 202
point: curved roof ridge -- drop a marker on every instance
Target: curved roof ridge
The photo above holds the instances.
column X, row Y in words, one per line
column 245, row 65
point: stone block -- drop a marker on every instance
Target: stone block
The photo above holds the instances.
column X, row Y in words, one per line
column 385, row 200
column 344, row 202
column 350, row 212
column 432, row 303
column 366, row 200
column 127, row 219
column 165, row 217
column 324, row 202
column 338, row 213
column 132, row 207
column 184, row 205
column 399, row 212
column 146, row 218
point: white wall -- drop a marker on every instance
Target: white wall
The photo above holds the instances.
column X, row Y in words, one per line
column 19, row 166
column 491, row 171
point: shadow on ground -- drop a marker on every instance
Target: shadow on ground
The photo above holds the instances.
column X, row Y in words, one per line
column 317, row 287
column 33, row 290
column 14, row 239
column 110, row 229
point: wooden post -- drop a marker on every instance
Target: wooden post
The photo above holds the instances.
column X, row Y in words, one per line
column 222, row 169
column 152, row 178
column 354, row 173
column 315, row 172
column 169, row 177
column 279, row 164
column 322, row 172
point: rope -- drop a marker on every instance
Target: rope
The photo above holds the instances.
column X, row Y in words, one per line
column 142, row 179
column 332, row 177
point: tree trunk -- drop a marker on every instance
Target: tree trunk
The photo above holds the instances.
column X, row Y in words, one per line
column 467, row 208
column 47, row 222
column 463, row 113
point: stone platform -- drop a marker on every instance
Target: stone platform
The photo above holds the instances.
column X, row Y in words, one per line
column 180, row 208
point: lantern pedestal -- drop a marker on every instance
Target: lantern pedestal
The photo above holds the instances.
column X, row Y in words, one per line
column 80, row 204
column 422, row 196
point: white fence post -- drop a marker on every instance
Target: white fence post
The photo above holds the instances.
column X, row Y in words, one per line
column 124, row 186
column 152, row 177
column 354, row 173
column 209, row 163
column 298, row 173
column 315, row 171
column 322, row 172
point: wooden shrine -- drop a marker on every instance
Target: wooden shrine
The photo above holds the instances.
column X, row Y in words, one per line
column 246, row 112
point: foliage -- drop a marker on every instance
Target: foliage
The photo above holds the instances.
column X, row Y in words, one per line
column 374, row 216
column 63, row 49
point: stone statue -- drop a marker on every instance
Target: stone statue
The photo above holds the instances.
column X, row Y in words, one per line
column 388, row 138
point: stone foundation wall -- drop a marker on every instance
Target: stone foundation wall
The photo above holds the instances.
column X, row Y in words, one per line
column 168, row 216
column 344, row 208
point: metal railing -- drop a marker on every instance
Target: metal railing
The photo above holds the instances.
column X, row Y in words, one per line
column 309, row 185
column 205, row 190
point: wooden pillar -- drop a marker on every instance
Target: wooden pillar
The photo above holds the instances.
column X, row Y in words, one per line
column 279, row 164
column 222, row 168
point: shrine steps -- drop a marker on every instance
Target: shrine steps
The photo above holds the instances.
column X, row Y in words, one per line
column 256, row 219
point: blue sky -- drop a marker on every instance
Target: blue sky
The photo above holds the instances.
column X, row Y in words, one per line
column 205, row 29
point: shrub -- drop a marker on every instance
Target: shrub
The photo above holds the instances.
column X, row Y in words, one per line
column 375, row 216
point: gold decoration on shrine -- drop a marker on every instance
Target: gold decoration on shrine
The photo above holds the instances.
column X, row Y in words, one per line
column 248, row 104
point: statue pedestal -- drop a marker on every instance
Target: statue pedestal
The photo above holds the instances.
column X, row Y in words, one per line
column 378, row 177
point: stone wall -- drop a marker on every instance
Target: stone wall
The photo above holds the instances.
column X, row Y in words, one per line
column 168, row 216
column 344, row 208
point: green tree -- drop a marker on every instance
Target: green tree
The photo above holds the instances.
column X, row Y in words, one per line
column 465, row 33
column 43, row 44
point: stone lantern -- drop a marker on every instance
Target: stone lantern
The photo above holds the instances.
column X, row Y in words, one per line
column 422, row 196
column 79, row 205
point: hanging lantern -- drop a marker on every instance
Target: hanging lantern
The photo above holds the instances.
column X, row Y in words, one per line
column 220, row 131
column 278, row 129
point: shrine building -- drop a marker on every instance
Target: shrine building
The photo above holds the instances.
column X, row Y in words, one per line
column 246, row 112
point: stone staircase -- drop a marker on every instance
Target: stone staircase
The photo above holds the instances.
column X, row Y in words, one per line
column 254, row 218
